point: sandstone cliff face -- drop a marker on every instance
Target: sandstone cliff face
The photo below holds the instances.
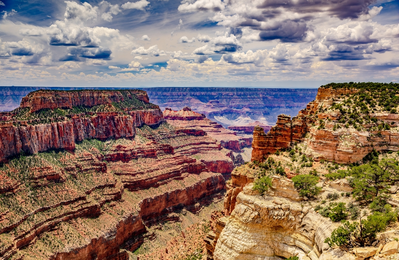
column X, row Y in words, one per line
column 282, row 135
column 272, row 227
column 343, row 145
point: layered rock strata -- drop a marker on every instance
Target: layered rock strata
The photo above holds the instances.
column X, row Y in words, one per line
column 193, row 123
column 94, row 196
column 52, row 99
column 272, row 227
column 323, row 140
column 188, row 119
column 38, row 134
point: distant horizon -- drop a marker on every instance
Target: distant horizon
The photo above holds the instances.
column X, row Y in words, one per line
column 152, row 87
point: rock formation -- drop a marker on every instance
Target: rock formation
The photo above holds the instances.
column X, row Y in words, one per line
column 52, row 99
column 280, row 224
column 193, row 123
column 342, row 145
column 85, row 186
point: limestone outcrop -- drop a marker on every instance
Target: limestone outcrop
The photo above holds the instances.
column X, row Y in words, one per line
column 272, row 227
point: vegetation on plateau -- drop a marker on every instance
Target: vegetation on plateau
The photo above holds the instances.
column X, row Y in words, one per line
column 358, row 109
column 371, row 182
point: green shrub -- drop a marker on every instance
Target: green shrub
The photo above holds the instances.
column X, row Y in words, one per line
column 325, row 212
column 293, row 258
column 375, row 223
column 341, row 235
column 353, row 211
column 306, row 185
column 263, row 184
column 379, row 202
column 340, row 174
column 338, row 212
column 373, row 179
column 280, row 171
column 364, row 232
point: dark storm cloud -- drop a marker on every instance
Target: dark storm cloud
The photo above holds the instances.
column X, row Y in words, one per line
column 286, row 31
column 22, row 52
column 76, row 54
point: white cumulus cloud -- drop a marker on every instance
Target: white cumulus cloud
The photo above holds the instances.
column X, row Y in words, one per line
column 139, row 5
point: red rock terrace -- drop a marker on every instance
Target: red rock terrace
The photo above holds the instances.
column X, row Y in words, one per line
column 84, row 173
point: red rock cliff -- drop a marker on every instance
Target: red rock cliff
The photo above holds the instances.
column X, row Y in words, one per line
column 282, row 135
column 323, row 140
column 37, row 136
column 52, row 99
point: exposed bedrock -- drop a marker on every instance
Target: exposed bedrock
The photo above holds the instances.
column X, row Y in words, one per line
column 193, row 123
column 32, row 139
column 52, row 99
column 92, row 197
column 343, row 145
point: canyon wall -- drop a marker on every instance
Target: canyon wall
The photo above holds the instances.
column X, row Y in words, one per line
column 32, row 139
column 274, row 226
column 193, row 123
column 88, row 185
column 52, row 99
column 342, row 145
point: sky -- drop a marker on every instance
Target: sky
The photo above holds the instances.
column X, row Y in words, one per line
column 227, row 43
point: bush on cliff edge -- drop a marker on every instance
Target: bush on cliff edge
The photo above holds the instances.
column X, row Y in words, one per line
column 262, row 184
column 306, row 185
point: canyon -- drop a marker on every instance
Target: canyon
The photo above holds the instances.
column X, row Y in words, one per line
column 86, row 174
column 188, row 120
column 280, row 223
column 107, row 175
column 226, row 106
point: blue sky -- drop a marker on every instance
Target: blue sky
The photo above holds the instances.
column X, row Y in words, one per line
column 259, row 43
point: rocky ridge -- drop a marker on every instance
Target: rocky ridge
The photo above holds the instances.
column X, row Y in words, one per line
column 282, row 224
column 93, row 191
column 318, row 125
